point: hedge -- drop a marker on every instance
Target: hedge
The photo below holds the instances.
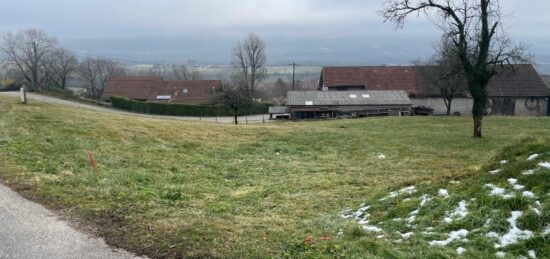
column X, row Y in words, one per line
column 185, row 109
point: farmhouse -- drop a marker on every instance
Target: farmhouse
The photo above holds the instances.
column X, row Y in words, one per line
column 325, row 104
column 517, row 90
column 156, row 89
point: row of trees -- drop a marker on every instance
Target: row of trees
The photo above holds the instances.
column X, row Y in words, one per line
column 38, row 62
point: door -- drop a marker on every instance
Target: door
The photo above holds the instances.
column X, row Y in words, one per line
column 505, row 106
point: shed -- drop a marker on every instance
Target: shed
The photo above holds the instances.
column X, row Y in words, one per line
column 326, row 104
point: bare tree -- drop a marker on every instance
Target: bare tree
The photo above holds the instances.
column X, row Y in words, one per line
column 63, row 65
column 183, row 72
column 97, row 72
column 249, row 61
column 29, row 50
column 474, row 27
column 444, row 73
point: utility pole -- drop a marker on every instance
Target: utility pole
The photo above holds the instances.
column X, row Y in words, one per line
column 293, row 75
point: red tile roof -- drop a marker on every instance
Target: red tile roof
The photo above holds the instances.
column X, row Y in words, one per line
column 520, row 80
column 149, row 88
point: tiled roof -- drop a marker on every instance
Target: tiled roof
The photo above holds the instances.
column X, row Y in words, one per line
column 546, row 79
column 157, row 89
column 341, row 98
column 519, row 80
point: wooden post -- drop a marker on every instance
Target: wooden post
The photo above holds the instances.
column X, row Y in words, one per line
column 23, row 93
column 263, row 119
column 246, row 118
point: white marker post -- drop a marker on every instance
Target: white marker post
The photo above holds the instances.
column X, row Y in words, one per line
column 23, row 93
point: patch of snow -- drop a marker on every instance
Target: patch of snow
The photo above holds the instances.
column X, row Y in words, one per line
column 512, row 181
column 340, row 232
column 407, row 190
column 533, row 157
column 495, row 171
column 372, row 228
column 519, row 187
column 503, row 162
column 492, row 235
column 460, row 212
column 425, row 199
column 443, row 193
column 398, row 241
column 514, row 234
column 529, row 172
column 407, row 235
column 500, row 254
column 381, row 157
column 545, row 165
column 537, row 211
column 528, row 194
column 460, row 250
column 488, row 223
column 453, row 236
column 397, row 219
column 380, row 236
column 430, row 228
column 497, row 191
column 412, row 216
column 546, row 231
column 362, row 218
column 454, row 182
column 532, row 254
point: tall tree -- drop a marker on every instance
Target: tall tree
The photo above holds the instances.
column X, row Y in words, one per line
column 63, row 65
column 249, row 63
column 235, row 98
column 474, row 27
column 97, row 72
column 29, row 51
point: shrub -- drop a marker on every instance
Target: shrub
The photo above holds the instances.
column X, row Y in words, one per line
column 185, row 109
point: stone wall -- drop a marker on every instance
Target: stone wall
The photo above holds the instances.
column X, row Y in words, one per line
column 464, row 106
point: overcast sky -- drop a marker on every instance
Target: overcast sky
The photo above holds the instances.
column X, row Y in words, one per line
column 318, row 31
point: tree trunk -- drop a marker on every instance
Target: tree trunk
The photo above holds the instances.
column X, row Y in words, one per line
column 478, row 121
column 236, row 119
column 449, row 103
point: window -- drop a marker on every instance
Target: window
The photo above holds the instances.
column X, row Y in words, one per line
column 163, row 97
column 353, row 96
column 366, row 95
column 309, row 102
column 184, row 91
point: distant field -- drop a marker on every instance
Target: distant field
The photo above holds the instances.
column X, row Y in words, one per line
column 171, row 189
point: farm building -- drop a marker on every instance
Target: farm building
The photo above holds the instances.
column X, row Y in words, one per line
column 156, row 89
column 327, row 104
column 517, row 90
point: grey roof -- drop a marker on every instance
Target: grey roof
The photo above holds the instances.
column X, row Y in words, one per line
column 316, row 98
column 278, row 109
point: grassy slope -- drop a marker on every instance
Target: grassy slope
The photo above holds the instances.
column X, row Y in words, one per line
column 169, row 188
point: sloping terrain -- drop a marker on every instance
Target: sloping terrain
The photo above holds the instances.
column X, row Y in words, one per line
column 189, row 189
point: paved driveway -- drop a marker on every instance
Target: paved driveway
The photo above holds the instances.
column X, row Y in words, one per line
column 253, row 119
column 28, row 230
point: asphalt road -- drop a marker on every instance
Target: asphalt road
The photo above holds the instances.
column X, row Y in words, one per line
column 253, row 119
column 28, row 230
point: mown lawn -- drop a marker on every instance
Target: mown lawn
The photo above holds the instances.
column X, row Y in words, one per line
column 185, row 189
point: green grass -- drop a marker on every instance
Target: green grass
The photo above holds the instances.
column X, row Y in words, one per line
column 171, row 188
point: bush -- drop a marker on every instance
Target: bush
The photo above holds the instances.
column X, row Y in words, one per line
column 10, row 87
column 185, row 109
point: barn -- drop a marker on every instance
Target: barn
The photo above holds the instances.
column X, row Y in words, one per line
column 156, row 89
column 516, row 90
column 327, row 104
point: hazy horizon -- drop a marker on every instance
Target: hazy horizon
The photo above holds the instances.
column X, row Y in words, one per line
column 313, row 32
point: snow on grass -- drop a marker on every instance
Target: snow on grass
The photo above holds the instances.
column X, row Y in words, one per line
column 460, row 250
column 406, row 235
column 425, row 199
column 459, row 235
column 460, row 212
column 512, row 181
column 362, row 218
column 443, row 193
column 497, row 191
column 528, row 194
column 503, row 162
column 546, row 231
column 495, row 171
column 500, row 254
column 532, row 254
column 412, row 216
column 381, row 156
column 545, row 165
column 529, row 172
column 533, row 157
column 407, row 190
column 514, row 234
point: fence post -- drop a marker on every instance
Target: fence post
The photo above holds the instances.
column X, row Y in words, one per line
column 246, row 118
column 263, row 118
column 23, row 93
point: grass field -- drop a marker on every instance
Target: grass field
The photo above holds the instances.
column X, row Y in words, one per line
column 180, row 189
